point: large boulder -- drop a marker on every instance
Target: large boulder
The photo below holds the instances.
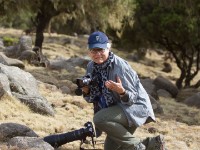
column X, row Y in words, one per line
column 2, row 91
column 10, row 61
column 186, row 93
column 163, row 83
column 24, row 87
column 5, row 83
column 2, row 47
column 164, row 93
column 167, row 67
column 150, row 87
column 37, row 104
column 28, row 55
column 156, row 106
column 193, row 100
column 29, row 143
column 68, row 64
column 14, row 51
column 10, row 130
column 25, row 42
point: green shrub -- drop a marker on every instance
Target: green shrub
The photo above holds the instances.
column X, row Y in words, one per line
column 9, row 41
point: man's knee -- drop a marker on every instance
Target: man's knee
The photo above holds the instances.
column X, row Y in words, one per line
column 97, row 119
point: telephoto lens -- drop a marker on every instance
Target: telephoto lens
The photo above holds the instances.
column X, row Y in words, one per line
column 57, row 140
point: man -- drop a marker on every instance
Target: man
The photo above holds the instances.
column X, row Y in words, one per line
column 121, row 104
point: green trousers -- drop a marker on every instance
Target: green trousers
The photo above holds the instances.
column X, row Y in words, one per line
column 113, row 121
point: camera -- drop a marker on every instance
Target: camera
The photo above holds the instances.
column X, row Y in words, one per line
column 56, row 140
column 84, row 81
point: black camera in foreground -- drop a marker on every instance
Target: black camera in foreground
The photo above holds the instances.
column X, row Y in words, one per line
column 56, row 140
column 84, row 81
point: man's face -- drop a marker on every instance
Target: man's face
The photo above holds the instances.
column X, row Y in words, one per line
column 99, row 55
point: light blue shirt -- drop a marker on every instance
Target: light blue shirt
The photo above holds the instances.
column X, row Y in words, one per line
column 135, row 103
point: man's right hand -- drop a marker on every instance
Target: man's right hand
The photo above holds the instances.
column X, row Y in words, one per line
column 85, row 90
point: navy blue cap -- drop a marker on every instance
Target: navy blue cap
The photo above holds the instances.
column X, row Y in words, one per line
column 97, row 40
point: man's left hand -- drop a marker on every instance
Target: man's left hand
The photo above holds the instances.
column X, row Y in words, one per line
column 115, row 86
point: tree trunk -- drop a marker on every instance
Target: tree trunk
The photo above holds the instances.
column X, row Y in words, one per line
column 42, row 22
column 179, row 82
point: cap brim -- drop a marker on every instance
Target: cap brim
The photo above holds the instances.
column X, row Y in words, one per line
column 103, row 46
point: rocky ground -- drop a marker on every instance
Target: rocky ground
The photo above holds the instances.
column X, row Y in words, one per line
column 177, row 124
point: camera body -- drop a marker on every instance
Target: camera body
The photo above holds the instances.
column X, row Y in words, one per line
column 84, row 81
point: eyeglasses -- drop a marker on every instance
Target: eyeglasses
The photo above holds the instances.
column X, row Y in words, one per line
column 97, row 50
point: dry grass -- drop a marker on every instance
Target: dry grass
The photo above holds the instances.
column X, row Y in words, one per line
column 180, row 112
column 180, row 124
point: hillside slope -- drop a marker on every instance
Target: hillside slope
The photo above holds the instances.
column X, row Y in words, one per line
column 72, row 111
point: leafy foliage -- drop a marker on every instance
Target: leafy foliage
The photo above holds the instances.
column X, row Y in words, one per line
column 67, row 16
column 12, row 14
column 174, row 26
column 90, row 16
column 9, row 41
column 81, row 16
